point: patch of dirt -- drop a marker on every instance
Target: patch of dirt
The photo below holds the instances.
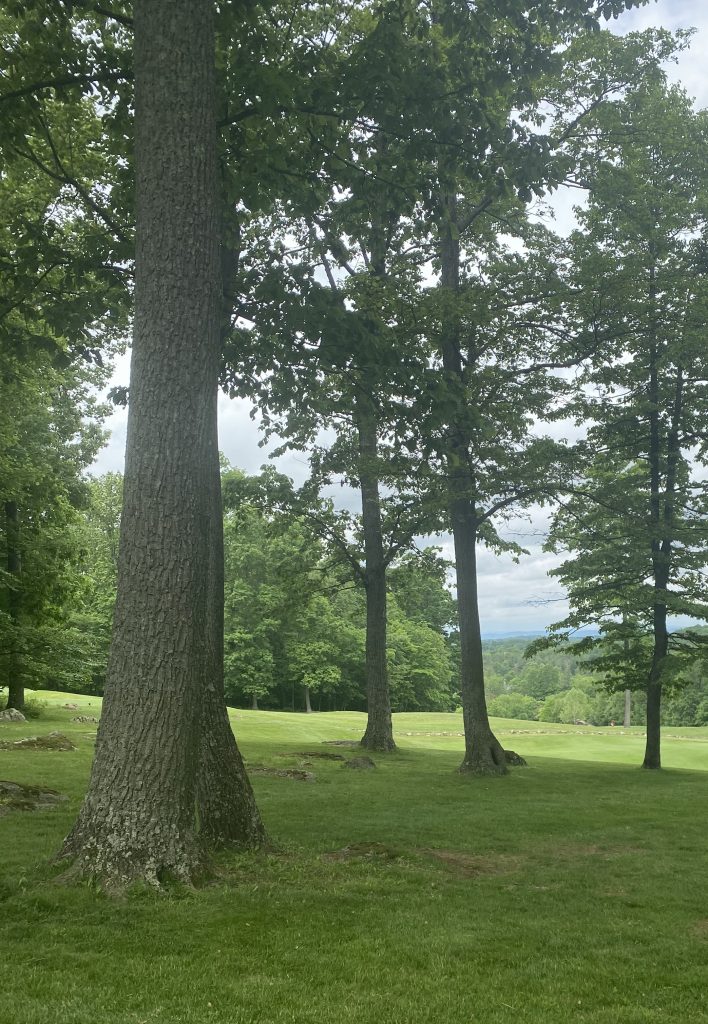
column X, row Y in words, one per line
column 282, row 773
column 359, row 763
column 595, row 850
column 324, row 755
column 342, row 743
column 700, row 928
column 52, row 741
column 470, row 865
column 366, row 851
column 16, row 797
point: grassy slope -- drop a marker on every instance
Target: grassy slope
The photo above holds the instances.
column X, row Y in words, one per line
column 574, row 890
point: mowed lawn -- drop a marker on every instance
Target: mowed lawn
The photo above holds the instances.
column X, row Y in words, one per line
column 572, row 890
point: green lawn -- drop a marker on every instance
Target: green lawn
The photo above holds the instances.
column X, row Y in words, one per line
column 573, row 890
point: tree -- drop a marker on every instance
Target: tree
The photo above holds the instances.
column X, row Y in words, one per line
column 634, row 520
column 138, row 817
column 50, row 427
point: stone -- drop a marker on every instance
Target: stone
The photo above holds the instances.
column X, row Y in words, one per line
column 12, row 715
column 14, row 796
column 52, row 741
column 516, row 759
column 359, row 763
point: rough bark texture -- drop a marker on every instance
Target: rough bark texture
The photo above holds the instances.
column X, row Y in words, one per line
column 226, row 807
column 15, row 686
column 138, row 817
column 484, row 753
column 379, row 725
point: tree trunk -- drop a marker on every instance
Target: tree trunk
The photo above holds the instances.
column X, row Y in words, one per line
column 254, row 702
column 15, row 686
column 379, row 725
column 652, row 752
column 138, row 818
column 226, row 806
column 627, row 709
column 308, row 705
column 484, row 753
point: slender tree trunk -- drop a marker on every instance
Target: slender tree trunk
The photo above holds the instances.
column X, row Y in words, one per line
column 484, row 753
column 138, row 818
column 15, row 685
column 662, row 519
column 652, row 752
column 379, row 724
column 627, row 709
column 254, row 702
column 308, row 705
column 226, row 806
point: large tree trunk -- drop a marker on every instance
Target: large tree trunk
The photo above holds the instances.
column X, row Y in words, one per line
column 138, row 818
column 226, row 806
column 484, row 753
column 15, row 686
column 379, row 724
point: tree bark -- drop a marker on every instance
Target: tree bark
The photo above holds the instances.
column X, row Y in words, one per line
column 254, row 702
column 484, row 753
column 15, row 684
column 138, row 819
column 226, row 807
column 308, row 704
column 379, row 725
column 627, row 721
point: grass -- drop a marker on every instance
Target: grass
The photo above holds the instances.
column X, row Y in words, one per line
column 573, row 890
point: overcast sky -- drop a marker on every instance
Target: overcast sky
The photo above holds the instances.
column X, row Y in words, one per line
column 514, row 598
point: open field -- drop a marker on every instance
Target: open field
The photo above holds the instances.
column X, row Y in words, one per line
column 573, row 890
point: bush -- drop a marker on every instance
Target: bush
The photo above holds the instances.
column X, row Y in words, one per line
column 514, row 705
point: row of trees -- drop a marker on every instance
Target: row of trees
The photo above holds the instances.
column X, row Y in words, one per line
column 295, row 621
column 332, row 217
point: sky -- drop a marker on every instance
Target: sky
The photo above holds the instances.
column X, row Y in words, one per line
column 514, row 598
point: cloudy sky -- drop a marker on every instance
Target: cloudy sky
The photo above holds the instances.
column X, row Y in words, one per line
column 514, row 597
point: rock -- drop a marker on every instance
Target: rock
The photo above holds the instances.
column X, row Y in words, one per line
column 12, row 715
column 513, row 758
column 52, row 741
column 85, row 718
column 360, row 763
column 16, row 797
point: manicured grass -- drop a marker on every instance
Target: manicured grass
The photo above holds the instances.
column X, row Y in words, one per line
column 572, row 890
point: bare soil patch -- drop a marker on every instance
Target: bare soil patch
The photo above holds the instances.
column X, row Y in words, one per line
column 299, row 774
column 365, row 851
column 323, row 755
column 470, row 865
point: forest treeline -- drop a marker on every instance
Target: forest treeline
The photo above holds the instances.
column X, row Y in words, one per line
column 295, row 624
